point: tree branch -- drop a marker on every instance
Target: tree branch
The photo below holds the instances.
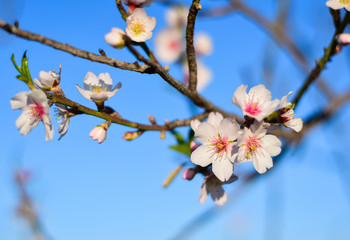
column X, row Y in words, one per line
column 75, row 51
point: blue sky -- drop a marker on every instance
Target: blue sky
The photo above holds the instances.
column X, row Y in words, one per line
column 84, row 190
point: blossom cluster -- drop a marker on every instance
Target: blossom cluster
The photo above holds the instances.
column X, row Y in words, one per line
column 224, row 143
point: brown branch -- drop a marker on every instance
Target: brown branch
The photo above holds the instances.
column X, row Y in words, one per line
column 75, row 51
column 196, row 98
column 191, row 54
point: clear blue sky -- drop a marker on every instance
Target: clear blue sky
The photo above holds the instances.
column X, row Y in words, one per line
column 113, row 190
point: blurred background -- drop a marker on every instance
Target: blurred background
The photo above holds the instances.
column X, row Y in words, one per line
column 84, row 190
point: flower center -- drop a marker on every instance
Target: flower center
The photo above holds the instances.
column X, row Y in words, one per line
column 35, row 113
column 221, row 145
column 98, row 88
column 287, row 116
column 174, row 45
column 344, row 2
column 138, row 27
column 253, row 106
column 251, row 145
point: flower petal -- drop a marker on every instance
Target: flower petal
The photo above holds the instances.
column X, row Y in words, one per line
column 262, row 161
column 271, row 144
column 215, row 118
column 84, row 93
column 205, row 132
column 202, row 156
column 19, row 101
column 296, row 124
column 239, row 96
column 223, row 169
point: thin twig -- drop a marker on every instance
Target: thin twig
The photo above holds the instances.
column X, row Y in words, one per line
column 74, row 51
column 191, row 54
column 321, row 64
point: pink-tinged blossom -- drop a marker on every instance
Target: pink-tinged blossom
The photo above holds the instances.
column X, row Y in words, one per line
column 343, row 39
column 203, row 44
column 287, row 118
column 217, row 137
column 257, row 103
column 115, row 38
column 169, row 45
column 99, row 133
column 48, row 80
column 35, row 109
column 177, row 16
column 213, row 186
column 139, row 25
column 138, row 3
column 98, row 89
column 204, row 75
column 338, row 4
column 254, row 145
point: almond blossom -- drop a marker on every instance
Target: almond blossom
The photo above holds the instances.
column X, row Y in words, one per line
column 213, row 186
column 256, row 146
column 98, row 89
column 203, row 44
column 115, row 38
column 257, row 103
column 338, row 4
column 48, row 80
column 139, row 25
column 217, row 136
column 169, row 45
column 287, row 118
column 35, row 109
column 177, row 16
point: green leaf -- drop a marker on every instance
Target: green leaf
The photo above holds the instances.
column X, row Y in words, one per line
column 23, row 70
column 178, row 136
column 14, row 63
column 182, row 148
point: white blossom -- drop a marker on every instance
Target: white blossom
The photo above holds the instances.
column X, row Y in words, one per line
column 287, row 118
column 115, row 38
column 257, row 103
column 203, row 44
column 139, row 25
column 98, row 89
column 177, row 16
column 48, row 80
column 169, row 45
column 338, row 4
column 213, row 186
column 256, row 146
column 35, row 109
column 217, row 137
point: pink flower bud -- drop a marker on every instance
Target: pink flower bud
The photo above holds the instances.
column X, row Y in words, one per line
column 189, row 173
column 343, row 39
column 132, row 135
column 194, row 145
column 98, row 133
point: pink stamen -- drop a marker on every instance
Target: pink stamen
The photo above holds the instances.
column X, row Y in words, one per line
column 252, row 144
column 174, row 45
column 39, row 110
column 221, row 145
column 253, row 106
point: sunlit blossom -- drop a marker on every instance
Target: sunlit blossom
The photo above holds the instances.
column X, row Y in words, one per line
column 48, row 80
column 256, row 146
column 35, row 109
column 139, row 25
column 213, row 186
column 115, row 38
column 176, row 16
column 169, row 45
column 217, row 137
column 203, row 44
column 287, row 118
column 99, row 133
column 98, row 89
column 338, row 4
column 257, row 103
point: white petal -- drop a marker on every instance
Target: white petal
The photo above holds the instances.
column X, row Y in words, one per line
column 150, row 23
column 38, row 96
column 48, row 127
column 215, row 118
column 239, row 96
column 202, row 156
column 99, row 97
column 114, row 90
column 230, row 128
column 296, row 124
column 19, row 101
column 203, row 193
column 271, row 144
column 90, row 78
column 194, row 124
column 84, row 93
column 223, row 169
column 106, row 78
column 37, row 82
column 284, row 102
column 334, row 4
column 205, row 133
column 219, row 195
column 262, row 161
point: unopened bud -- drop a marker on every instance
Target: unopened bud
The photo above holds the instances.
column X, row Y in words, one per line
column 199, row 7
column 152, row 119
column 343, row 39
column 189, row 173
column 132, row 135
column 167, row 68
column 115, row 38
column 194, row 145
column 162, row 134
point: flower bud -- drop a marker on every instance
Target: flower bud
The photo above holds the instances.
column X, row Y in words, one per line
column 115, row 38
column 189, row 173
column 132, row 135
column 194, row 145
